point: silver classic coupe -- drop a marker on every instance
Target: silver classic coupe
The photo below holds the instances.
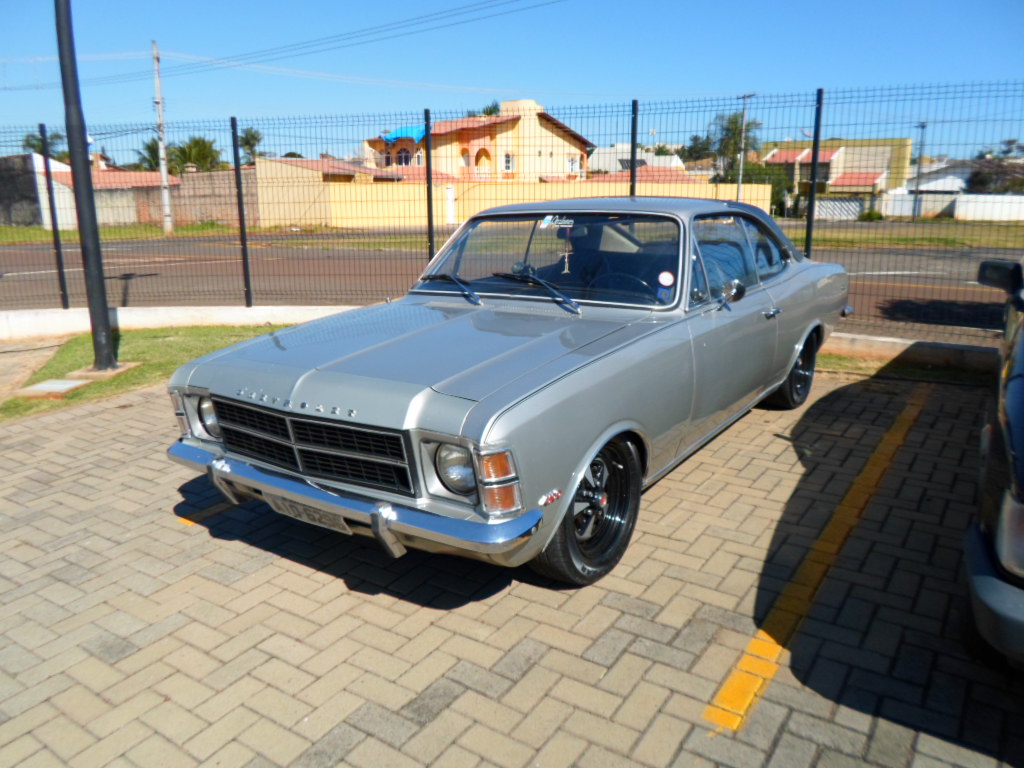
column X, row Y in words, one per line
column 553, row 361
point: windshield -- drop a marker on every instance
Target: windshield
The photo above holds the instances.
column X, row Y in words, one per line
column 585, row 257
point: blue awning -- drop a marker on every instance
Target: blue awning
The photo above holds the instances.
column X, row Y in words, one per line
column 414, row 132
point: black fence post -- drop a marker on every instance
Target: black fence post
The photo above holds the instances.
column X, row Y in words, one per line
column 104, row 354
column 632, row 150
column 815, row 151
column 58, row 253
column 242, row 238
column 429, row 145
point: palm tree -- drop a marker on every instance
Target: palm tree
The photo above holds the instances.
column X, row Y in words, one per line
column 248, row 140
column 149, row 155
column 197, row 151
column 725, row 131
column 33, row 142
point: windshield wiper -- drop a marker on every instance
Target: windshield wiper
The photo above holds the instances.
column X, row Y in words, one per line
column 559, row 297
column 471, row 297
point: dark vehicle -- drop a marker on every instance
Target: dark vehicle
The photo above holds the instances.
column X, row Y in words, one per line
column 995, row 544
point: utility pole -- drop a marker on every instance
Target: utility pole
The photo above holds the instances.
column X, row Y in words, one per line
column 916, row 211
column 743, row 146
column 161, row 140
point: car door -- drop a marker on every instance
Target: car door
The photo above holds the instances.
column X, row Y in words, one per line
column 733, row 341
column 792, row 298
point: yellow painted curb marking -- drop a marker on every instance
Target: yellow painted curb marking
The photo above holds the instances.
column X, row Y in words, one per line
column 749, row 679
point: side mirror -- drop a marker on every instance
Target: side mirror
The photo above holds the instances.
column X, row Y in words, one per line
column 1003, row 274
column 733, row 291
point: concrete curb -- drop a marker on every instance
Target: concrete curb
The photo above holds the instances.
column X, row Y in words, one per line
column 41, row 323
column 932, row 354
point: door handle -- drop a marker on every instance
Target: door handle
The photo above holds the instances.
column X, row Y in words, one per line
column 772, row 313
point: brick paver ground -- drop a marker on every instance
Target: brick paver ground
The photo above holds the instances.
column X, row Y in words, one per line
column 132, row 637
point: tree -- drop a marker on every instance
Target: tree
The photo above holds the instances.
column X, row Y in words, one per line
column 149, row 156
column 754, row 173
column 291, row 154
column 698, row 148
column 248, row 140
column 662, row 150
column 33, row 142
column 494, row 108
column 999, row 171
column 197, row 151
column 725, row 132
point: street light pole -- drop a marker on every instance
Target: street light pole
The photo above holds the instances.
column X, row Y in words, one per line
column 161, row 139
column 743, row 145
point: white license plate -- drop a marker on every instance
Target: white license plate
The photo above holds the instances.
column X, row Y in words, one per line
column 307, row 514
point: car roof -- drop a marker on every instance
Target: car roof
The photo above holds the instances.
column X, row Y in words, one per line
column 676, row 206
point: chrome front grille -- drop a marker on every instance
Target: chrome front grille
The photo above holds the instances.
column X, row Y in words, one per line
column 318, row 448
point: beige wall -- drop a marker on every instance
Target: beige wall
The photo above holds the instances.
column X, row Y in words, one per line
column 402, row 205
column 291, row 195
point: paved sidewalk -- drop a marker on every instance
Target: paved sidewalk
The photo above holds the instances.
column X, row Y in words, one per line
column 21, row 358
column 143, row 623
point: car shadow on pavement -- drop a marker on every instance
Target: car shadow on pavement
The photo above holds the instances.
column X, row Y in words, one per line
column 964, row 314
column 879, row 598
column 437, row 581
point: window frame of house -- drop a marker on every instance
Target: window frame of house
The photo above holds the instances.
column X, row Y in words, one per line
column 403, row 157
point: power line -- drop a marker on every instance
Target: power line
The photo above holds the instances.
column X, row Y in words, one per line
column 365, row 36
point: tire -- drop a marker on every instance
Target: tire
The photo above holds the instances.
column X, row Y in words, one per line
column 596, row 529
column 793, row 392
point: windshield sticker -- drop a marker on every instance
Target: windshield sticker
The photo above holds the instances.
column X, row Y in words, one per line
column 667, row 279
column 558, row 221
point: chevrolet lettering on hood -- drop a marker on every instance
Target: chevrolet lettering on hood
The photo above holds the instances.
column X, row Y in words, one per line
column 263, row 397
column 553, row 361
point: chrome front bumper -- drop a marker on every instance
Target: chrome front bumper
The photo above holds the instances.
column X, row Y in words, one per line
column 394, row 526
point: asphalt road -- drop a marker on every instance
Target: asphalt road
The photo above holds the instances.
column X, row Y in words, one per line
column 888, row 285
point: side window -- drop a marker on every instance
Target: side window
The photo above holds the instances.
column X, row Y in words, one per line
column 698, row 281
column 725, row 252
column 767, row 252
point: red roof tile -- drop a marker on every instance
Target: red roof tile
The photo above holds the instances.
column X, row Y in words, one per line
column 782, row 156
column 118, row 179
column 442, row 127
column 651, row 173
column 337, row 167
column 857, row 180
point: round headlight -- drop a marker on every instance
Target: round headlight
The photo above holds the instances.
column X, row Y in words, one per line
column 455, row 468
column 208, row 417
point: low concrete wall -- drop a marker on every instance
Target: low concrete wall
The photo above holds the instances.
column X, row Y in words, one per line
column 990, row 208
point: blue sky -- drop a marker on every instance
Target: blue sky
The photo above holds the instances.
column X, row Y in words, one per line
column 559, row 52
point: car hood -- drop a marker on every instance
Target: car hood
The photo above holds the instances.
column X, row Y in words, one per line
column 376, row 361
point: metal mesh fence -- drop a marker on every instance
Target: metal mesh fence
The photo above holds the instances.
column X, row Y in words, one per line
column 914, row 187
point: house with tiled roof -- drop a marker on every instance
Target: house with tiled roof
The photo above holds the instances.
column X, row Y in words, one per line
column 845, row 166
column 520, row 143
column 654, row 175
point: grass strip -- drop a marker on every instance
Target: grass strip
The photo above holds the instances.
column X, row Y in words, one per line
column 159, row 350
